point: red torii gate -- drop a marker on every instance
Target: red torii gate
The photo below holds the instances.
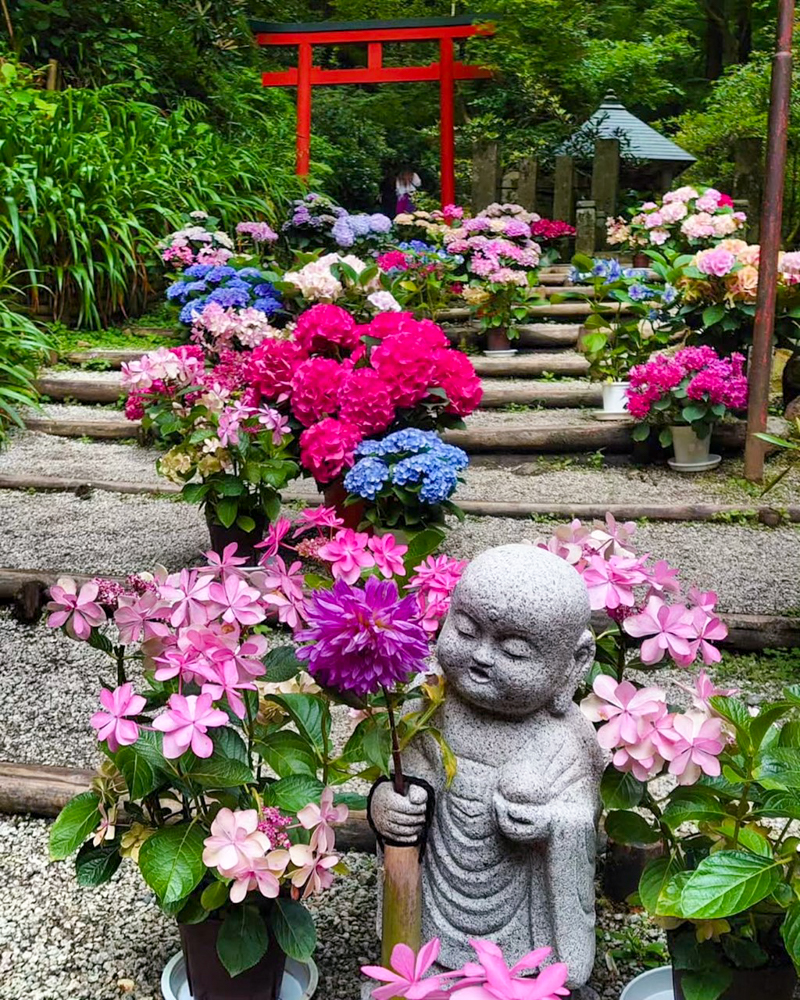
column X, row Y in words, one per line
column 374, row 33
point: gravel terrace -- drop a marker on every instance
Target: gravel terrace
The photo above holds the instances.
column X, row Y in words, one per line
column 546, row 479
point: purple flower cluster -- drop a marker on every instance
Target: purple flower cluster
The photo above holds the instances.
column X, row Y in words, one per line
column 228, row 287
column 361, row 639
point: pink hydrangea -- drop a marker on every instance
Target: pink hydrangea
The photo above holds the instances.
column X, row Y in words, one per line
column 326, row 448
column 365, row 401
column 324, row 327
column 455, row 373
column 315, row 389
column 665, row 628
column 77, row 609
column 693, row 747
column 388, row 555
column 349, row 553
column 626, row 710
column 715, row 261
column 112, row 723
column 185, row 724
column 272, row 365
column 404, row 368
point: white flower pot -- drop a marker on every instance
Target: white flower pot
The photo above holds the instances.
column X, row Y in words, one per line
column 615, row 399
column 692, row 453
column 300, row 980
column 655, row 984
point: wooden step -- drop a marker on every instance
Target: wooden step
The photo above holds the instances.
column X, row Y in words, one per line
column 104, row 427
column 113, row 358
column 531, row 365
column 498, row 394
column 530, row 334
column 83, row 388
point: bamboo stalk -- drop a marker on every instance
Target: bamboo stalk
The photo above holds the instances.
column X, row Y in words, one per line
column 402, row 897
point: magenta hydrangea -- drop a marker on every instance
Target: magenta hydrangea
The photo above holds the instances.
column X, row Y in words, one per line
column 362, row 639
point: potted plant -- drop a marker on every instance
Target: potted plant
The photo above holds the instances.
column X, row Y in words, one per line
column 629, row 319
column 231, row 456
column 220, row 773
column 403, row 482
column 684, row 394
column 424, row 278
column 725, row 887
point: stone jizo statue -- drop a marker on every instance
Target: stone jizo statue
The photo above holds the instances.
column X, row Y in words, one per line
column 511, row 849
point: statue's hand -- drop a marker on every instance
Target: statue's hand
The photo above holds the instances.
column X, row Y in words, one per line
column 522, row 821
column 399, row 817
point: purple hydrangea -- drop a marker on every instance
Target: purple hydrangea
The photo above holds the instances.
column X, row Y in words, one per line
column 220, row 273
column 197, row 271
column 269, row 306
column 192, row 306
column 380, row 223
column 342, row 232
column 259, row 232
column 359, row 224
column 230, row 297
column 362, row 639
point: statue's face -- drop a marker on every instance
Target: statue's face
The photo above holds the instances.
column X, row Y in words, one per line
column 503, row 654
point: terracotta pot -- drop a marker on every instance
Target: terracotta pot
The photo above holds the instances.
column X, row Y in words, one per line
column 498, row 342
column 209, row 979
column 245, row 540
column 335, row 495
column 641, row 260
column 623, row 868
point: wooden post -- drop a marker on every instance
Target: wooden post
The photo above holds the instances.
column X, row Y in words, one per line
column 605, row 178
column 485, row 174
column 586, row 228
column 526, row 185
column 305, row 58
column 447, row 121
column 52, row 74
column 564, row 189
column 760, row 367
column 402, row 890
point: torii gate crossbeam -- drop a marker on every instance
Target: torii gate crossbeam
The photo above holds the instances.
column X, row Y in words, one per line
column 374, row 34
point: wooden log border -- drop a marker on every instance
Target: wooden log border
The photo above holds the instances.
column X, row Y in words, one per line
column 43, row 790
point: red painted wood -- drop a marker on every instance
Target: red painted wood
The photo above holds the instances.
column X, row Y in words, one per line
column 388, row 74
column 377, row 35
column 447, row 122
column 305, row 57
column 375, row 55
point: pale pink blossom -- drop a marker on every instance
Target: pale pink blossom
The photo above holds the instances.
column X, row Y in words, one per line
column 235, row 840
column 228, row 562
column 348, row 554
column 705, row 599
column 186, row 722
column 388, row 554
column 238, row 601
column 491, row 979
column 78, row 610
column 276, row 532
column 283, row 589
column 405, row 976
column 695, row 748
column 664, row 578
column 321, row 819
column 626, row 710
column 223, row 680
column 112, row 724
column 708, row 630
column 704, row 689
column 140, row 618
column 319, row 517
column 262, row 873
column 669, row 628
column 608, row 538
column 312, row 870
column 189, row 597
column 611, row 581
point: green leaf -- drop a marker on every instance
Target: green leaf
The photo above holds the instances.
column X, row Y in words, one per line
column 377, row 741
column 294, row 792
column 629, row 828
column 282, row 665
column 641, row 432
column 171, row 861
column 228, row 743
column 737, row 714
column 654, row 878
column 620, row 790
column 194, row 492
column 137, row 765
column 421, row 545
column 728, row 882
column 669, row 899
column 779, row 804
column 713, row 314
column 693, row 412
column 218, row 772
column 96, row 865
column 226, row 511
column 74, row 824
column 214, row 896
column 242, row 940
column 790, row 735
column 692, row 808
column 449, row 759
column 665, row 437
column 707, row 985
column 742, row 952
column 767, row 717
column 307, row 712
column 790, row 932
column 245, row 523
column 287, row 752
column 778, row 767
column 294, row 929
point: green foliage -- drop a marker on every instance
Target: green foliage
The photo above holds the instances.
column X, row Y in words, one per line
column 74, row 824
column 242, row 940
column 294, row 929
column 171, row 861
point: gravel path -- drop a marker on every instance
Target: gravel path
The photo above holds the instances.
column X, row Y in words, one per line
column 555, row 479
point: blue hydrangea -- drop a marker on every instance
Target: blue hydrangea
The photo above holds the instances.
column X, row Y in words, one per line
column 669, row 294
column 359, row 224
column 267, row 305
column 194, row 305
column 197, row 271
column 230, row 297
column 380, row 223
column 366, row 478
column 414, row 469
column 342, row 232
column 265, row 289
column 177, row 291
column 410, row 439
column 439, row 485
column 634, row 272
column 249, row 272
column 238, row 283
column 575, row 275
column 217, row 274
column 641, row 293
column 454, row 457
column 368, row 447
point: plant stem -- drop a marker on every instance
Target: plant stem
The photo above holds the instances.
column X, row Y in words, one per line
column 399, row 781
column 119, row 651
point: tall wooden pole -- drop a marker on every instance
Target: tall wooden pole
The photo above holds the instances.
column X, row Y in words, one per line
column 447, row 121
column 304, row 61
column 760, row 368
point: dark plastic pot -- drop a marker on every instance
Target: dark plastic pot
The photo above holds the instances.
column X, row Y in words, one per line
column 245, row 540
column 335, row 495
column 790, row 380
column 209, row 979
column 641, row 260
column 623, row 868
